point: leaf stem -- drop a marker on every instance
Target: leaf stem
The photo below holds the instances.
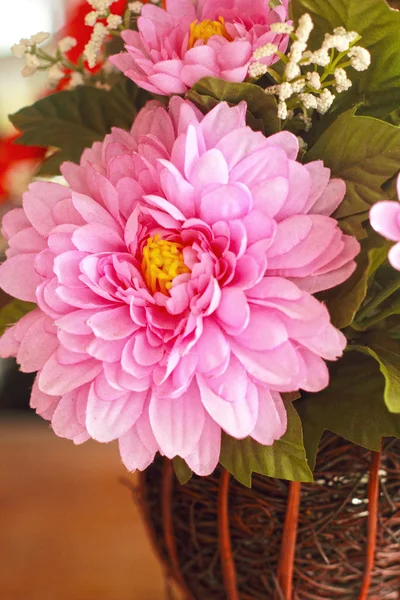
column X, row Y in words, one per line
column 274, row 75
column 387, row 312
column 375, row 302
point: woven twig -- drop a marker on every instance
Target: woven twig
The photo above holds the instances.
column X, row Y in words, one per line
column 331, row 555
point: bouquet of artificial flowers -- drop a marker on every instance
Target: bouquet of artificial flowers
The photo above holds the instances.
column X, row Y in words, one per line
column 207, row 282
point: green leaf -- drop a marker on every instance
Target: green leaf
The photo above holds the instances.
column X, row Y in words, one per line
column 13, row 312
column 384, row 297
column 390, row 188
column 73, row 120
column 352, row 406
column 262, row 112
column 394, row 117
column 345, row 300
column 379, row 26
column 387, row 354
column 274, row 3
column 285, row 459
column 363, row 151
column 182, row 471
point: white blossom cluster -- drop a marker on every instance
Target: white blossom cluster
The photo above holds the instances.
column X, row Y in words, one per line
column 57, row 64
column 95, row 18
column 135, row 7
column 305, row 89
column 100, row 12
column 25, row 45
column 37, row 59
column 257, row 68
column 360, row 58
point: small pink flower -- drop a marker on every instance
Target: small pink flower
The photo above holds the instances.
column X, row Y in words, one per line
column 173, row 280
column 176, row 47
column 385, row 219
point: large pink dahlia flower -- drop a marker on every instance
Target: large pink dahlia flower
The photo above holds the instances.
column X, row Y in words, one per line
column 176, row 47
column 173, row 280
column 385, row 219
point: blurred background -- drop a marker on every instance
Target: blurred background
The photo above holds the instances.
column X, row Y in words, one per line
column 69, row 529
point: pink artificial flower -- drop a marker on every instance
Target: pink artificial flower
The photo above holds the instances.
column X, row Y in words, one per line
column 176, row 47
column 173, row 280
column 385, row 219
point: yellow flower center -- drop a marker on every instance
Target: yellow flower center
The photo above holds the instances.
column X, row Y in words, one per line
column 162, row 262
column 204, row 30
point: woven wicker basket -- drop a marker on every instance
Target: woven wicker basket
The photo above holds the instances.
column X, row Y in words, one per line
column 338, row 538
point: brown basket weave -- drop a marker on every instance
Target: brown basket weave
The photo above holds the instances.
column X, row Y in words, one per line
column 338, row 538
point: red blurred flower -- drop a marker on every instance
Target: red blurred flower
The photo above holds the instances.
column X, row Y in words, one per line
column 12, row 156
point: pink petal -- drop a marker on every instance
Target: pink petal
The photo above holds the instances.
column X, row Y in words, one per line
column 177, row 423
column 113, row 324
column 129, row 363
column 65, row 422
column 36, row 347
column 67, row 267
column 18, row 277
column 104, row 350
column 39, row 201
column 107, row 420
column 265, row 330
column 234, row 55
column 272, row 418
column 331, row 199
column 276, row 367
column 259, row 226
column 57, row 379
column 275, row 287
column 181, row 9
column 270, row 195
column 40, row 401
column 204, row 459
column 97, row 238
column 285, row 140
column 385, row 219
column 75, row 322
column 8, row 344
column 192, row 73
column 260, row 165
column 317, row 283
column 166, row 206
column 231, row 386
column 134, row 454
column 212, row 348
column 211, row 168
column 233, row 310
column 394, row 256
column 144, row 429
column 225, row 202
column 329, row 344
column 221, row 120
column 236, row 418
column 28, row 241
column 13, row 222
column 299, row 191
column 239, row 143
column 317, row 377
column 92, row 212
column 167, row 84
column 145, row 354
column 176, row 189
